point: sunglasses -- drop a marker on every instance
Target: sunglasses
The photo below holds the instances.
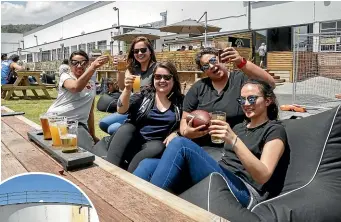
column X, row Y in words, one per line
column 206, row 66
column 142, row 50
column 165, row 77
column 76, row 62
column 251, row 99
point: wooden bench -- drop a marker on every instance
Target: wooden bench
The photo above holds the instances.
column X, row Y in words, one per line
column 22, row 84
column 116, row 194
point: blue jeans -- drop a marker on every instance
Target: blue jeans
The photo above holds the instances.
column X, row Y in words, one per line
column 111, row 123
column 183, row 155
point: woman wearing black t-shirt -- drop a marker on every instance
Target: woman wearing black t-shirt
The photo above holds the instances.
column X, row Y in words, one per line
column 255, row 152
column 141, row 62
column 218, row 92
column 154, row 118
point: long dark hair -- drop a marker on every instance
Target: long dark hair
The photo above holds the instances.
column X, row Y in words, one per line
column 267, row 92
column 175, row 95
column 132, row 63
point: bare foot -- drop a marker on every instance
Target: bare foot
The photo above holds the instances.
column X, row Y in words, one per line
column 338, row 96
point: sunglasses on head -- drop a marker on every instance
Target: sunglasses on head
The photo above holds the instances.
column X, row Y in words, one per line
column 251, row 99
column 165, row 77
column 76, row 62
column 206, row 66
column 142, row 50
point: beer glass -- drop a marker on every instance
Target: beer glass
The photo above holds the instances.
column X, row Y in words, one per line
column 68, row 138
column 217, row 115
column 45, row 124
column 56, row 122
column 221, row 45
column 137, row 84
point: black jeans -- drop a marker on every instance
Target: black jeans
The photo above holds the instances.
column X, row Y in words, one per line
column 85, row 140
column 128, row 148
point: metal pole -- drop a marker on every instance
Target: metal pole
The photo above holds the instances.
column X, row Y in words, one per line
column 119, row 32
column 205, row 29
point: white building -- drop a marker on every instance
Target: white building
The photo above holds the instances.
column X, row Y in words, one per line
column 94, row 25
column 10, row 42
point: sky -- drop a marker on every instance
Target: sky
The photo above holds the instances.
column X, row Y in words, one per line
column 39, row 182
column 37, row 12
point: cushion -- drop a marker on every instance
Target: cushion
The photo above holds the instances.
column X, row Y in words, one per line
column 312, row 185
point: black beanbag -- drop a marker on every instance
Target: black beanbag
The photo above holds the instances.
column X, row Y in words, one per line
column 312, row 186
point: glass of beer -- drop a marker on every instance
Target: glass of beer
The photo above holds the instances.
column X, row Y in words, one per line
column 137, row 84
column 69, row 137
column 221, row 45
column 44, row 120
column 219, row 116
column 55, row 123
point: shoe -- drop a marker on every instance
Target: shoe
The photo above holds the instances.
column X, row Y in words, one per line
column 294, row 108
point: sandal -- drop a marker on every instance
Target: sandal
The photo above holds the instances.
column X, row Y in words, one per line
column 294, row 108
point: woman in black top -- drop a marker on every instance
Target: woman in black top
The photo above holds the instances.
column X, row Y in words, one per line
column 154, row 118
column 141, row 62
column 255, row 151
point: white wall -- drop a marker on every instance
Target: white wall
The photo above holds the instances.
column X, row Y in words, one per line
column 276, row 14
column 11, row 42
column 327, row 10
column 131, row 14
column 42, row 212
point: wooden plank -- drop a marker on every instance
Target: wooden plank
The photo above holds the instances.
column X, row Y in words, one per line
column 17, row 88
column 10, row 166
column 34, row 160
column 68, row 160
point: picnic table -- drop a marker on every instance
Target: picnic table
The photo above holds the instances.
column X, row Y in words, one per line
column 116, row 194
column 22, row 84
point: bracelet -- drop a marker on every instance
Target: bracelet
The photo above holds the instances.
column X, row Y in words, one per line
column 235, row 141
column 177, row 133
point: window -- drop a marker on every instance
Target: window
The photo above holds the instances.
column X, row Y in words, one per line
column 73, row 48
column 46, row 56
column 330, row 39
column 82, row 47
column 66, row 52
column 59, row 54
column 102, row 45
column 91, row 46
column 29, row 58
column 54, row 54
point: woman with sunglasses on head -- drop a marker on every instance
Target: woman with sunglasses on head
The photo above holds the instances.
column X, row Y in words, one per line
column 218, row 92
column 255, row 157
column 76, row 95
column 141, row 62
column 154, row 119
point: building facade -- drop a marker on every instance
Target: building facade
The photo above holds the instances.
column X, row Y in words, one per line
column 93, row 26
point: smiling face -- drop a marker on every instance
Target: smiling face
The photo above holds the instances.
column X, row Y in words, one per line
column 165, row 84
column 141, row 52
column 78, row 65
column 211, row 67
column 258, row 105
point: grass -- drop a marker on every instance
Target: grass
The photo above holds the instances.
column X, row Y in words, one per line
column 34, row 107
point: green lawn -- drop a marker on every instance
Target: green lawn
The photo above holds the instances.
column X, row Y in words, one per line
column 34, row 107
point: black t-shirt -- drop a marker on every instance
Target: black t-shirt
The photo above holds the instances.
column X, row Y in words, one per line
column 203, row 96
column 255, row 139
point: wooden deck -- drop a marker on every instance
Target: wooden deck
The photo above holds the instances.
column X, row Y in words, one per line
column 116, row 194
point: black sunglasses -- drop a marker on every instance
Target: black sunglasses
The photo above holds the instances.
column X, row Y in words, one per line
column 251, row 99
column 76, row 62
column 165, row 77
column 142, row 50
column 206, row 66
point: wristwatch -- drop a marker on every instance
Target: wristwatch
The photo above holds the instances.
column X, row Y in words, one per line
column 242, row 64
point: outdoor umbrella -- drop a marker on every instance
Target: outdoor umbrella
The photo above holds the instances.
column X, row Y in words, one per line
column 129, row 36
column 191, row 27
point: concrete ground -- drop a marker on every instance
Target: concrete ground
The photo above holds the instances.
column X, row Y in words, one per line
column 315, row 103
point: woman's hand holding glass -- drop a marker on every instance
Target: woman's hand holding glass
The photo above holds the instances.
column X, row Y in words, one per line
column 129, row 81
column 222, row 130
